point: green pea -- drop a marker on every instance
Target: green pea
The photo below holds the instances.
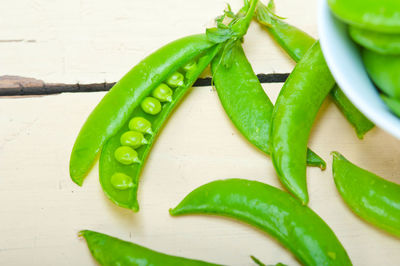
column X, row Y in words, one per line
column 140, row 124
column 121, row 181
column 151, row 105
column 163, row 93
column 133, row 139
column 175, row 80
column 126, row 155
column 190, row 66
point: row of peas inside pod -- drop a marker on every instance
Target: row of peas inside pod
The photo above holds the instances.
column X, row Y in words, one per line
column 139, row 126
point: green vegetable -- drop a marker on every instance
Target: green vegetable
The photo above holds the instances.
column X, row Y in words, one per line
column 377, row 15
column 141, row 125
column 295, row 110
column 296, row 43
column 371, row 197
column 175, row 80
column 273, row 211
column 109, row 166
column 163, row 93
column 383, row 43
column 384, row 70
column 133, row 139
column 121, row 181
column 392, row 103
column 116, row 107
column 126, row 155
column 151, row 105
column 109, row 250
column 245, row 102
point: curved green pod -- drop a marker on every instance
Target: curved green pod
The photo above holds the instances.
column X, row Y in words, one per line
column 383, row 43
column 273, row 211
column 384, row 70
column 245, row 102
column 108, row 165
column 295, row 110
column 371, row 197
column 108, row 250
column 296, row 43
column 392, row 103
column 377, row 15
column 115, row 108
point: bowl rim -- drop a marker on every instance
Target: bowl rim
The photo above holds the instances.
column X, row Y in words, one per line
column 336, row 46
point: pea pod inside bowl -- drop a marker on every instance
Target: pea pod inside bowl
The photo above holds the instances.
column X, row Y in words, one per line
column 344, row 58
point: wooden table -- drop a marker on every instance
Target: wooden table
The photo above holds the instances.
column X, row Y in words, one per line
column 92, row 41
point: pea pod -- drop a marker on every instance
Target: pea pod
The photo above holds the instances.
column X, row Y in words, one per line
column 273, row 211
column 383, row 43
column 372, row 198
column 295, row 110
column 384, row 71
column 110, row 161
column 108, row 250
column 109, row 166
column 116, row 107
column 383, row 16
column 245, row 102
column 392, row 103
column 296, row 43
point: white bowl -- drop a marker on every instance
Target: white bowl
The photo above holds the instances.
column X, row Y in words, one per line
column 344, row 60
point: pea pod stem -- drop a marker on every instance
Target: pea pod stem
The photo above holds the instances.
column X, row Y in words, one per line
column 108, row 250
column 108, row 165
column 115, row 108
column 245, row 102
column 273, row 211
column 295, row 110
column 296, row 43
column 371, row 197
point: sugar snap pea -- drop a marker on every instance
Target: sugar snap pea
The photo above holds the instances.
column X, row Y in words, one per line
column 296, row 43
column 108, row 250
column 295, row 110
column 384, row 43
column 381, row 15
column 371, row 197
column 392, row 103
column 110, row 165
column 384, row 71
column 273, row 211
column 116, row 107
column 245, row 102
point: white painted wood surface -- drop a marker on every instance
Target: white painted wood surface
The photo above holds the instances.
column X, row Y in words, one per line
column 41, row 210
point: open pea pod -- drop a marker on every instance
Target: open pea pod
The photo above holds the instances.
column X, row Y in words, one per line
column 108, row 250
column 116, row 107
column 244, row 100
column 273, row 211
column 123, row 191
column 296, row 43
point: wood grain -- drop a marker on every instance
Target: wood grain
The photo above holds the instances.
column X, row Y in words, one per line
column 97, row 41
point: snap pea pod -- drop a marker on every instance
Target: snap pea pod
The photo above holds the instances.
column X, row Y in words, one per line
column 115, row 108
column 295, row 110
column 273, row 211
column 384, row 71
column 109, row 166
column 372, row 198
column 383, row 43
column 108, row 250
column 296, row 43
column 382, row 15
column 245, row 102
column 392, row 103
